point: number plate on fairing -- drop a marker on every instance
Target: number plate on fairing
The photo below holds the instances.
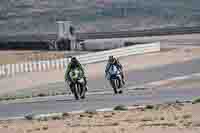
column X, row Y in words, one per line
column 81, row 80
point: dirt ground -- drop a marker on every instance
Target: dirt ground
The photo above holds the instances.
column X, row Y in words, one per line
column 165, row 118
column 12, row 57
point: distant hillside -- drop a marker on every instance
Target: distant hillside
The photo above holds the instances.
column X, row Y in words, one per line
column 17, row 16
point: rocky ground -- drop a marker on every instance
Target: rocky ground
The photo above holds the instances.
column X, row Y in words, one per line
column 166, row 118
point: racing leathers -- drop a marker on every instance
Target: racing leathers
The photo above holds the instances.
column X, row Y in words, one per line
column 67, row 75
column 119, row 67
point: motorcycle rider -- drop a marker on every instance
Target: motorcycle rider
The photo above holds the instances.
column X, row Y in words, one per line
column 114, row 61
column 72, row 65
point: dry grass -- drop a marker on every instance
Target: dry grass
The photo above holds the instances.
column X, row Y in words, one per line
column 187, row 116
column 196, row 100
column 161, row 124
column 120, row 108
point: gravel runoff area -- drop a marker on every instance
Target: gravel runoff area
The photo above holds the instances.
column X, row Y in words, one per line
column 174, row 117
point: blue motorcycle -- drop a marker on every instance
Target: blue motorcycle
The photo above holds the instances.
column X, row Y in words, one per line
column 115, row 79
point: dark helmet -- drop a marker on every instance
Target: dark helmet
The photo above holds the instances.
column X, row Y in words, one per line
column 74, row 61
column 111, row 59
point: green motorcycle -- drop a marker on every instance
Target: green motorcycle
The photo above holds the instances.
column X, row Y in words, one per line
column 78, row 81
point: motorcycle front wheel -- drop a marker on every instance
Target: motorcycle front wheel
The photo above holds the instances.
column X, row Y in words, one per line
column 82, row 91
column 116, row 85
column 76, row 92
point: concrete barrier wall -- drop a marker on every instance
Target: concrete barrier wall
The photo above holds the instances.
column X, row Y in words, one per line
column 102, row 44
column 60, row 64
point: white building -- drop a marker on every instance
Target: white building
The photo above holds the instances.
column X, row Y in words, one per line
column 90, row 44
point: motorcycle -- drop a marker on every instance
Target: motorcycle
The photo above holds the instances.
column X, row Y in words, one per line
column 115, row 79
column 79, row 88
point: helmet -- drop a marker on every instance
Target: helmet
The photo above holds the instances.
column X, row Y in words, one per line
column 73, row 59
column 74, row 62
column 111, row 59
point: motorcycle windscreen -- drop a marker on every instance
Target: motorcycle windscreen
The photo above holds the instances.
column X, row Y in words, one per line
column 113, row 70
column 75, row 74
column 81, row 80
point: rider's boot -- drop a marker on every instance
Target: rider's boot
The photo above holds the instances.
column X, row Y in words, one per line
column 72, row 90
column 86, row 87
column 71, row 87
column 123, row 81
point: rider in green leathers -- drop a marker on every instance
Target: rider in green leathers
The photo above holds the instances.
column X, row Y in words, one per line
column 74, row 64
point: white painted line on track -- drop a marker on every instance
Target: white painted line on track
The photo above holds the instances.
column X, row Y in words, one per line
column 162, row 82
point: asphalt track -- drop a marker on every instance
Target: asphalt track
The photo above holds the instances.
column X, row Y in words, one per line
column 67, row 103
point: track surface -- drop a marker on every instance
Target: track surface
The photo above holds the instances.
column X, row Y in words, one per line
column 67, row 103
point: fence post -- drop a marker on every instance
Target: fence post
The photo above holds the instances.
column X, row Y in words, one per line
column 8, row 70
column 39, row 66
column 57, row 64
column 25, row 67
column 22, row 67
column 53, row 63
column 61, row 64
column 17, row 69
column 65, row 61
column 13, row 69
column 30, row 64
column 4, row 70
column 34, row 66
column 44, row 66
column 48, row 64
column 1, row 72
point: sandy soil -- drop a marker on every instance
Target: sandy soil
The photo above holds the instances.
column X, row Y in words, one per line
column 9, row 57
column 12, row 57
column 166, row 118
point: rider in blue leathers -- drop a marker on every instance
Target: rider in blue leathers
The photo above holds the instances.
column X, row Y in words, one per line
column 114, row 61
